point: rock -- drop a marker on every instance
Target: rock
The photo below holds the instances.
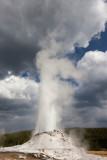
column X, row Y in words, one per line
column 22, row 157
column 43, row 156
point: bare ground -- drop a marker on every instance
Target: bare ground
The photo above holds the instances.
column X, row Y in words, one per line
column 101, row 153
column 15, row 156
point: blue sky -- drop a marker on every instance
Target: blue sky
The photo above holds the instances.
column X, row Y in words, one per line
column 94, row 44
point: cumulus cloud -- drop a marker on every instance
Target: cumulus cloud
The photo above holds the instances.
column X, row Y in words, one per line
column 53, row 28
column 18, row 98
column 90, row 97
column 14, row 87
column 27, row 19
column 25, row 24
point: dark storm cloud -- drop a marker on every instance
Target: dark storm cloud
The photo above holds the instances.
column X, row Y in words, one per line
column 16, row 114
column 93, row 87
column 16, row 107
column 15, row 56
column 22, row 25
column 91, row 94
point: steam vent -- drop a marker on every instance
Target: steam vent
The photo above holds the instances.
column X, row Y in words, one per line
column 52, row 145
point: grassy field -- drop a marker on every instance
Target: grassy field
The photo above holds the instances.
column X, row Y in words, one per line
column 95, row 138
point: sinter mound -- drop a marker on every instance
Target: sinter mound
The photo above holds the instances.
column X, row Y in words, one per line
column 52, row 145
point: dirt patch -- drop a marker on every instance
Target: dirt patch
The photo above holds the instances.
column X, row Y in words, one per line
column 16, row 156
column 101, row 153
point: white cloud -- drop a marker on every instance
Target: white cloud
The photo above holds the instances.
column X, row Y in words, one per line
column 18, row 102
column 94, row 64
column 14, row 87
column 91, row 95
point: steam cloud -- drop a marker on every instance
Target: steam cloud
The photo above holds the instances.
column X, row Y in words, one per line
column 73, row 23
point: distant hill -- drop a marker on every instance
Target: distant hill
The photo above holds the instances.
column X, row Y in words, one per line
column 96, row 138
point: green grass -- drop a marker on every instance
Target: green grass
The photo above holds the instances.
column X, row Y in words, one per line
column 95, row 137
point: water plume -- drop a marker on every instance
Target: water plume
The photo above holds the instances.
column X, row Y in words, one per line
column 52, row 62
column 52, row 69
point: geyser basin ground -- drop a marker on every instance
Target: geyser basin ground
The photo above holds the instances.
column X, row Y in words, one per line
column 52, row 145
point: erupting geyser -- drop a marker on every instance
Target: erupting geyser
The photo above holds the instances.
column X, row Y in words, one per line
column 46, row 114
column 74, row 22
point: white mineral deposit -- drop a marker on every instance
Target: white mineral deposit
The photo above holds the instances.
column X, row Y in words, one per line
column 52, row 145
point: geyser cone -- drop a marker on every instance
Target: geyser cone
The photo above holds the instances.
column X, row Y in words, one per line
column 52, row 145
